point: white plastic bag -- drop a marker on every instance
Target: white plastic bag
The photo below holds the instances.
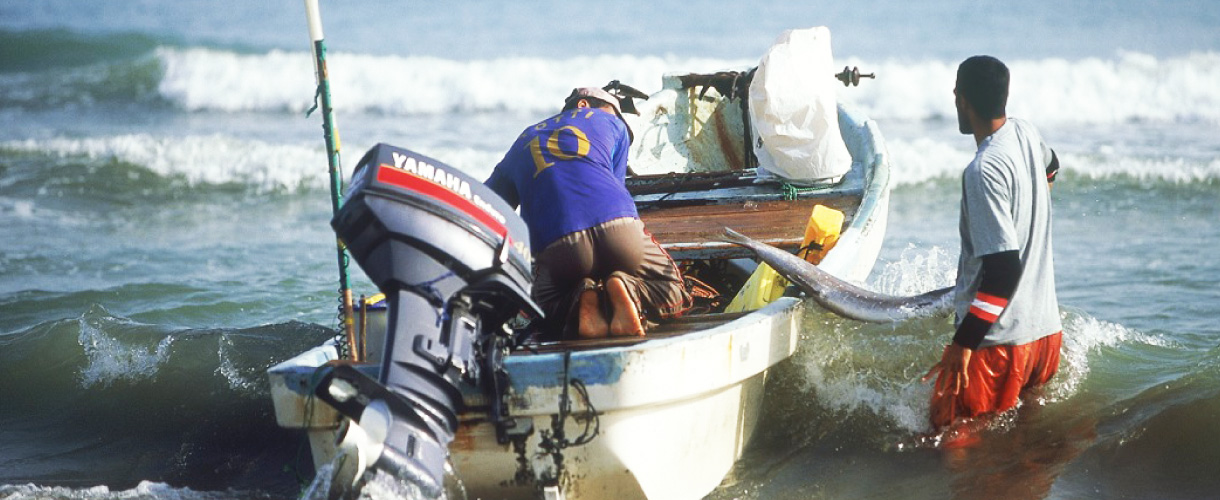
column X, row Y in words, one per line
column 793, row 111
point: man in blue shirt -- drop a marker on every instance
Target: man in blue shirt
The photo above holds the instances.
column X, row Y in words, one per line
column 597, row 270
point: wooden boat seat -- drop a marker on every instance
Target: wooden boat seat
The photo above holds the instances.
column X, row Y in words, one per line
column 692, row 231
column 687, row 212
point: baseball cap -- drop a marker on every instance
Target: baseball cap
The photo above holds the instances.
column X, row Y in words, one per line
column 594, row 92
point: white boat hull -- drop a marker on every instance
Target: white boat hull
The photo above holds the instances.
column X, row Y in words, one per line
column 672, row 414
column 636, row 457
column 645, row 432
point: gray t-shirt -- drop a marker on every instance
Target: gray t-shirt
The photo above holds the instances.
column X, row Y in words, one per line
column 1006, row 206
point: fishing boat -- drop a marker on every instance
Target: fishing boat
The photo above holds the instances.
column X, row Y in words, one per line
column 448, row 384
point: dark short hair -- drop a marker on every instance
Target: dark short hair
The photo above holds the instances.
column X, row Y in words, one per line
column 983, row 82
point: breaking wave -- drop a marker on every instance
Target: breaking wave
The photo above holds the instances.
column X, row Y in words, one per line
column 920, row 160
column 1178, row 89
column 1122, row 105
column 1130, row 87
column 191, row 160
column 72, row 68
column 154, row 403
column 211, row 160
column 194, row 161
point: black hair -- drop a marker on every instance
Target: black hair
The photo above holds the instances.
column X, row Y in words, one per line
column 983, row 82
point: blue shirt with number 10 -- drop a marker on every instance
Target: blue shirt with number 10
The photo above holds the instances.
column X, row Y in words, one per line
column 567, row 174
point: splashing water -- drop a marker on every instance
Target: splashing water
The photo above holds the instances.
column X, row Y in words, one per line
column 110, row 360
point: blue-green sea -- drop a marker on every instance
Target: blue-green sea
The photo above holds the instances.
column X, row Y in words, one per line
column 164, row 228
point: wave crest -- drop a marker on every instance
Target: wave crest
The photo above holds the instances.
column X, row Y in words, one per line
column 196, row 160
column 110, row 360
column 206, row 79
column 1130, row 87
column 57, row 66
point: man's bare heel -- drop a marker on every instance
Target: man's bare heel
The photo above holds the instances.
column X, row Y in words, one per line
column 626, row 319
column 592, row 324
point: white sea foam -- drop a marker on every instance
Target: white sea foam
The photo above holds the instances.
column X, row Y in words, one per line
column 1082, row 335
column 902, row 402
column 917, row 270
column 853, row 366
column 222, row 159
column 1145, row 169
column 143, row 490
column 199, row 79
column 110, row 360
column 923, row 159
column 1127, row 87
column 212, row 159
column 229, row 369
column 205, row 79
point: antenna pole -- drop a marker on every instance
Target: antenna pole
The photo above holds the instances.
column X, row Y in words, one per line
column 331, row 133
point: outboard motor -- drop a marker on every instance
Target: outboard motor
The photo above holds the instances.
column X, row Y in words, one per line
column 454, row 262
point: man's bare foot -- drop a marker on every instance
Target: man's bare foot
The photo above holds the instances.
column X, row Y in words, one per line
column 592, row 324
column 626, row 320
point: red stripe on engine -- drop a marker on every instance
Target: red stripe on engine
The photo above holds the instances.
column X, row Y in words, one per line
column 412, row 182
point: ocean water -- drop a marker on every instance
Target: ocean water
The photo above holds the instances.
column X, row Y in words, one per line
column 164, row 211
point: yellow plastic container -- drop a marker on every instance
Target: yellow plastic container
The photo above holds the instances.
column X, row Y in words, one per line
column 823, row 228
column 766, row 285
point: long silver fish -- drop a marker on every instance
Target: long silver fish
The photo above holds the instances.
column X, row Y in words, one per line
column 841, row 297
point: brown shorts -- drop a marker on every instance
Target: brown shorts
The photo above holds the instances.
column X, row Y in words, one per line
column 585, row 259
column 996, row 377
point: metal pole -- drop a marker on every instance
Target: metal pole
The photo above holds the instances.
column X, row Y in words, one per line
column 331, row 133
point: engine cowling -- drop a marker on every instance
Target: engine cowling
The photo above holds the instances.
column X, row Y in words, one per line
column 454, row 262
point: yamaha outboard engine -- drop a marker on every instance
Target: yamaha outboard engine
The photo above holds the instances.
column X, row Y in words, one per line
column 453, row 260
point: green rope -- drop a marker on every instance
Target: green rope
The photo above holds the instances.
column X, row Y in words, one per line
column 792, row 192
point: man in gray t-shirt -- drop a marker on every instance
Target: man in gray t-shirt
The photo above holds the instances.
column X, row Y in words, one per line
column 1008, row 332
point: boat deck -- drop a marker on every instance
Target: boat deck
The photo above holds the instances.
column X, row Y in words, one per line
column 687, row 213
column 670, row 328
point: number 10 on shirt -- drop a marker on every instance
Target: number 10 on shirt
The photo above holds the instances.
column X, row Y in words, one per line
column 552, row 149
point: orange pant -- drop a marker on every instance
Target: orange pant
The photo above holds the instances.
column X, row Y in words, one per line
column 997, row 376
